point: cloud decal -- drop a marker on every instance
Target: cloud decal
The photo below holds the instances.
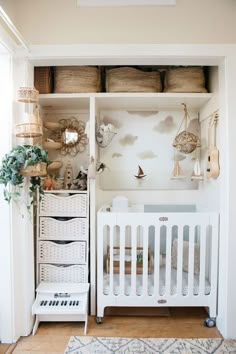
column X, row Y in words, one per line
column 147, row 155
column 128, row 139
column 166, row 125
column 116, row 155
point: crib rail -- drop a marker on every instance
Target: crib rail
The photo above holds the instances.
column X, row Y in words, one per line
column 165, row 259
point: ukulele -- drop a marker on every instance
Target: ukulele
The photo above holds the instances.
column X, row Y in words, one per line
column 213, row 168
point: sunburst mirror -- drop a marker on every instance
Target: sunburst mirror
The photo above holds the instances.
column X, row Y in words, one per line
column 71, row 135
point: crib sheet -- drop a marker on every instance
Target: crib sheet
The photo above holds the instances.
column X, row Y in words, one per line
column 116, row 286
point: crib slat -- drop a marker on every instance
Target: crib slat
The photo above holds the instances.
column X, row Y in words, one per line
column 134, row 259
column 191, row 261
column 122, row 259
column 111, row 276
column 179, row 277
column 157, row 234
column 145, row 260
column 168, row 261
column 202, row 258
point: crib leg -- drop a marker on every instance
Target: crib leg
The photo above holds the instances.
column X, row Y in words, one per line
column 99, row 320
column 210, row 322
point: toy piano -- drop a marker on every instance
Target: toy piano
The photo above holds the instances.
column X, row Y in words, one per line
column 61, row 302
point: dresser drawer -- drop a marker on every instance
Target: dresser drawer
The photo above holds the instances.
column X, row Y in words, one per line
column 63, row 205
column 62, row 253
column 53, row 273
column 72, row 229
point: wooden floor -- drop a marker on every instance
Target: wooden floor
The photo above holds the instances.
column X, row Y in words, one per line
column 52, row 338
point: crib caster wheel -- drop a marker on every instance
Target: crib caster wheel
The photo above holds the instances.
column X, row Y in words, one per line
column 210, row 322
column 99, row 320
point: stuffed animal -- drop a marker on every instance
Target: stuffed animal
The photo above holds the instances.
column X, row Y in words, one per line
column 48, row 183
column 80, row 182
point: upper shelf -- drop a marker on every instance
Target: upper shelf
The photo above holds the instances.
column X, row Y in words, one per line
column 124, row 101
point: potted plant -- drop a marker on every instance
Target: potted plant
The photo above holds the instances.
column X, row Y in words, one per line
column 23, row 161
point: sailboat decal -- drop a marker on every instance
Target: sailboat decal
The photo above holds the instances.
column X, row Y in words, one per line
column 177, row 172
column 140, row 173
column 197, row 174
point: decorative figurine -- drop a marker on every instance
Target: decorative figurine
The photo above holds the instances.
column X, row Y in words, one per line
column 68, row 177
column 140, row 173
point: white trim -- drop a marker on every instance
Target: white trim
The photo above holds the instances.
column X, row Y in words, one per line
column 6, row 19
column 95, row 3
column 221, row 55
column 129, row 54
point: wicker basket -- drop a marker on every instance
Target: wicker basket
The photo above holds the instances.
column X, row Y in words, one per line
column 72, row 205
column 68, row 230
column 43, row 79
column 128, row 79
column 76, row 79
column 39, row 169
column 52, row 273
column 189, row 79
column 67, row 253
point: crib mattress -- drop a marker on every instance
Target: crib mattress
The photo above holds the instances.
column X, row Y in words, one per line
column 116, row 286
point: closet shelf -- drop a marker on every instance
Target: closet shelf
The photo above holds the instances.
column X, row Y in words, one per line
column 126, row 101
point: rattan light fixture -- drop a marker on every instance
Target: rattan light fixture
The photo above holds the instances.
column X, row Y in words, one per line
column 185, row 141
column 27, row 95
column 31, row 126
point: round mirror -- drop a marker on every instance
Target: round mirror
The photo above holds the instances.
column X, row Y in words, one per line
column 71, row 135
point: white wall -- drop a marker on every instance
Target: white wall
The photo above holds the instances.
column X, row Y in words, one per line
column 62, row 22
column 210, row 188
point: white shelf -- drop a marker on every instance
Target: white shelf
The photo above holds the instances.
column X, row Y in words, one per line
column 126, row 101
column 64, row 100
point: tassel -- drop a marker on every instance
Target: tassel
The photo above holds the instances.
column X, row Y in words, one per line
column 91, row 169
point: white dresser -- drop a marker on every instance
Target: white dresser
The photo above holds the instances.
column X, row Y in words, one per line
column 62, row 237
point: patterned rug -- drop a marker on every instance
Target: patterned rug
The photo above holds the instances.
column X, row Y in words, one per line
column 110, row 345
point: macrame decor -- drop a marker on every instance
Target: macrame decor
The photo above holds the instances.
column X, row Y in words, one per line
column 185, row 142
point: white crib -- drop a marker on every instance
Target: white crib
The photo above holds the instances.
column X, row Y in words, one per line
column 157, row 259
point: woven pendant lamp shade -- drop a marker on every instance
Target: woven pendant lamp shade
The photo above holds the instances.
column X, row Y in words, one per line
column 31, row 127
column 27, row 95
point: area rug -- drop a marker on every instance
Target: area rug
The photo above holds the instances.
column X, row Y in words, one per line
column 112, row 345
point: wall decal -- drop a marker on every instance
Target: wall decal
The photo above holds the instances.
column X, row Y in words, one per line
column 179, row 157
column 165, row 126
column 116, row 155
column 141, row 145
column 146, row 155
column 194, row 126
column 109, row 120
column 144, row 114
column 128, row 140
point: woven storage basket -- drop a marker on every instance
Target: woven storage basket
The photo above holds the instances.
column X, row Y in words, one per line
column 185, row 80
column 43, row 79
column 73, row 229
column 52, row 252
column 73, row 205
column 76, row 79
column 132, row 80
column 39, row 169
column 63, row 273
